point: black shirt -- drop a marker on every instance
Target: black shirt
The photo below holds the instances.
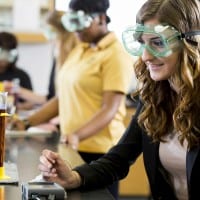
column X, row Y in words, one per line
column 15, row 72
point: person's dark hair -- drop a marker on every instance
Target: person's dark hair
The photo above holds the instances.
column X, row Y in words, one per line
column 8, row 41
column 91, row 6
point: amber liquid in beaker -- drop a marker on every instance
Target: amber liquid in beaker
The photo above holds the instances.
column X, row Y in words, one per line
column 2, row 137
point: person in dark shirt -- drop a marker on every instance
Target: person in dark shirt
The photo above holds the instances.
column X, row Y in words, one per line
column 9, row 71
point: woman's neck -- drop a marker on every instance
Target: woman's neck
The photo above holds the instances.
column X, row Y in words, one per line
column 174, row 84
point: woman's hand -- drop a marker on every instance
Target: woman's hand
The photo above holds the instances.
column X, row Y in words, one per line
column 55, row 169
column 8, row 86
column 71, row 139
column 15, row 123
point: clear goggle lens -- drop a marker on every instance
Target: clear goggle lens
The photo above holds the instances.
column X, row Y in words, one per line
column 9, row 56
column 160, row 41
column 76, row 20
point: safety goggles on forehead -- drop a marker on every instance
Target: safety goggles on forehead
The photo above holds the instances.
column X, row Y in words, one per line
column 77, row 20
column 8, row 55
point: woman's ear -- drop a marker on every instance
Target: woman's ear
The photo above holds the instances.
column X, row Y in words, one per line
column 102, row 19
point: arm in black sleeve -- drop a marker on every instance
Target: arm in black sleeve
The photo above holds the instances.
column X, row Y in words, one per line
column 115, row 164
column 25, row 80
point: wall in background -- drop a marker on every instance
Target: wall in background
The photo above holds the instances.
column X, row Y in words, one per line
column 36, row 59
column 122, row 14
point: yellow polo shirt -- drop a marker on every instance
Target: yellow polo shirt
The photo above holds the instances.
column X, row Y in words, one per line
column 87, row 73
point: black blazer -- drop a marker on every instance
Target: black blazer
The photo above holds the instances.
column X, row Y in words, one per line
column 115, row 165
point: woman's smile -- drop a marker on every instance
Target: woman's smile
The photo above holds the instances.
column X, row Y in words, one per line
column 154, row 67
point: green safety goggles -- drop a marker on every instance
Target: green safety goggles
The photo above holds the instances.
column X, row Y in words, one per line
column 77, row 20
column 8, row 55
column 159, row 40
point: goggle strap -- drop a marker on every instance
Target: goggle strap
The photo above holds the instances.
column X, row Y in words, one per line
column 191, row 33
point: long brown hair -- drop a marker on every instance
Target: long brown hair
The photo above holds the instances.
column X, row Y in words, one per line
column 66, row 41
column 163, row 109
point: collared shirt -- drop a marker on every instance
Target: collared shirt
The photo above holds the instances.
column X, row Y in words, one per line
column 89, row 71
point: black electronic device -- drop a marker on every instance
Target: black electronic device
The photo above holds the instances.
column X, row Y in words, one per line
column 42, row 191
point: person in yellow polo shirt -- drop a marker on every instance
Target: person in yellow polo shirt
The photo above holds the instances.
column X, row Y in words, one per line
column 92, row 84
